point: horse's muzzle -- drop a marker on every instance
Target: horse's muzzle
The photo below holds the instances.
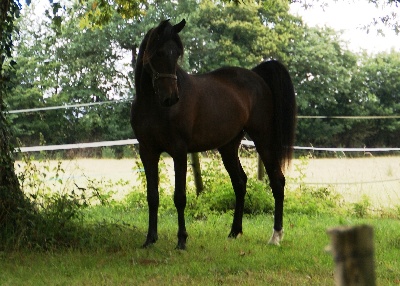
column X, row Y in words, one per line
column 168, row 101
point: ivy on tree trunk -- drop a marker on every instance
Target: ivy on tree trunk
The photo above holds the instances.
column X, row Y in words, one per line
column 12, row 199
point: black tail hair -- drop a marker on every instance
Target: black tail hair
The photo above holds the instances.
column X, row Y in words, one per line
column 278, row 79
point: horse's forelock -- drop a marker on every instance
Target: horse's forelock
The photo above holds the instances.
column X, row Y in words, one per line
column 158, row 36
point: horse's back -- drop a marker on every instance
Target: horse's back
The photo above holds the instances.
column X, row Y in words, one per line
column 215, row 107
column 232, row 85
column 233, row 76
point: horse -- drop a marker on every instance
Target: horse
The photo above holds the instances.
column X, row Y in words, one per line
column 179, row 113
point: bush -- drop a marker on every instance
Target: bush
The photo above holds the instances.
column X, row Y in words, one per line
column 107, row 153
column 63, row 213
column 361, row 208
column 57, row 217
column 312, row 201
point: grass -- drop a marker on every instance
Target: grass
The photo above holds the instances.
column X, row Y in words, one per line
column 101, row 245
column 114, row 256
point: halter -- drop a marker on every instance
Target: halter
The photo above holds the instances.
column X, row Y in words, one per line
column 157, row 75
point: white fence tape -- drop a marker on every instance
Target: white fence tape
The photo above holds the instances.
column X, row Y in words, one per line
column 79, row 145
column 347, row 149
column 134, row 141
column 67, row 106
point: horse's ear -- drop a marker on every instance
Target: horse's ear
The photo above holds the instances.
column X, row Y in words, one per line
column 162, row 26
column 178, row 27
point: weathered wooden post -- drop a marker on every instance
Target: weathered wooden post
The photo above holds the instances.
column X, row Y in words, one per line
column 260, row 168
column 198, row 182
column 353, row 253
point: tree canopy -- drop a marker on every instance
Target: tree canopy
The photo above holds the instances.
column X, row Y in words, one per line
column 69, row 64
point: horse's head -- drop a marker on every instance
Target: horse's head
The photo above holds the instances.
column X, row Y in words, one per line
column 163, row 50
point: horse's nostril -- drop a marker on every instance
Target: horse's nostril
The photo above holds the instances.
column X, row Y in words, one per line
column 167, row 102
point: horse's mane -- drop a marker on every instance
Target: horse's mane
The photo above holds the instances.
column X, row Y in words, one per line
column 139, row 62
column 154, row 39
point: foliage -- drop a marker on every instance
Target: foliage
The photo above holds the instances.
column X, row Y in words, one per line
column 332, row 81
column 57, row 214
column 66, row 214
column 249, row 34
column 218, row 196
column 361, row 208
column 59, row 64
column 62, row 66
column 382, row 96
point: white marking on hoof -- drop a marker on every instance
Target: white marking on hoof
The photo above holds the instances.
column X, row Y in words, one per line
column 276, row 237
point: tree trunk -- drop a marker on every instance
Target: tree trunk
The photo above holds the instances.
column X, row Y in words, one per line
column 11, row 196
column 12, row 199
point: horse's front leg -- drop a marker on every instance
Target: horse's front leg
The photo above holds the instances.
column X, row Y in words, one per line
column 180, row 166
column 150, row 163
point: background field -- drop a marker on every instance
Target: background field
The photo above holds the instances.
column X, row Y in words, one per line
column 375, row 177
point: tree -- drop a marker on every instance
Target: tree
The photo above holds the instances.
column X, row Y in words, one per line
column 60, row 64
column 321, row 69
column 12, row 199
column 381, row 73
column 330, row 80
column 33, row 72
column 64, row 65
column 248, row 34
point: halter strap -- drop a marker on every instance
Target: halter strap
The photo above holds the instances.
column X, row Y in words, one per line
column 157, row 75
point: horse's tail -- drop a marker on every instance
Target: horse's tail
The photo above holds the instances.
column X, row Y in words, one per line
column 278, row 79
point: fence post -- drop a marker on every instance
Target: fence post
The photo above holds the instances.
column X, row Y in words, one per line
column 197, row 173
column 260, row 168
column 353, row 253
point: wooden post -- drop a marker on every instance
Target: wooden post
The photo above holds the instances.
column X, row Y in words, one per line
column 353, row 252
column 198, row 182
column 260, row 168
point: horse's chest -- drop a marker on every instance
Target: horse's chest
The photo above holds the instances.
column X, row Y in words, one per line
column 150, row 129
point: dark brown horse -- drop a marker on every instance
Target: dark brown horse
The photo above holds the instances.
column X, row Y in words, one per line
column 178, row 113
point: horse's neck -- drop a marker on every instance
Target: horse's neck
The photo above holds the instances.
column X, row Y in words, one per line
column 145, row 95
column 183, row 76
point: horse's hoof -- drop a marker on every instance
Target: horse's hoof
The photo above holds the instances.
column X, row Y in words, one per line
column 181, row 245
column 235, row 234
column 182, row 238
column 149, row 242
column 276, row 237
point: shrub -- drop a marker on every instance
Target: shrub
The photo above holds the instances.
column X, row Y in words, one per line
column 361, row 208
column 312, row 201
column 58, row 216
column 107, row 153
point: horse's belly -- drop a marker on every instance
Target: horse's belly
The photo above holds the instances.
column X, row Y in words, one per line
column 212, row 140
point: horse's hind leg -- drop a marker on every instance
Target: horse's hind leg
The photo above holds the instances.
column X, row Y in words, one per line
column 229, row 154
column 277, row 184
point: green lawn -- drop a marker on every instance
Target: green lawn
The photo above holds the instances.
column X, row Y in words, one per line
column 87, row 238
column 114, row 257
